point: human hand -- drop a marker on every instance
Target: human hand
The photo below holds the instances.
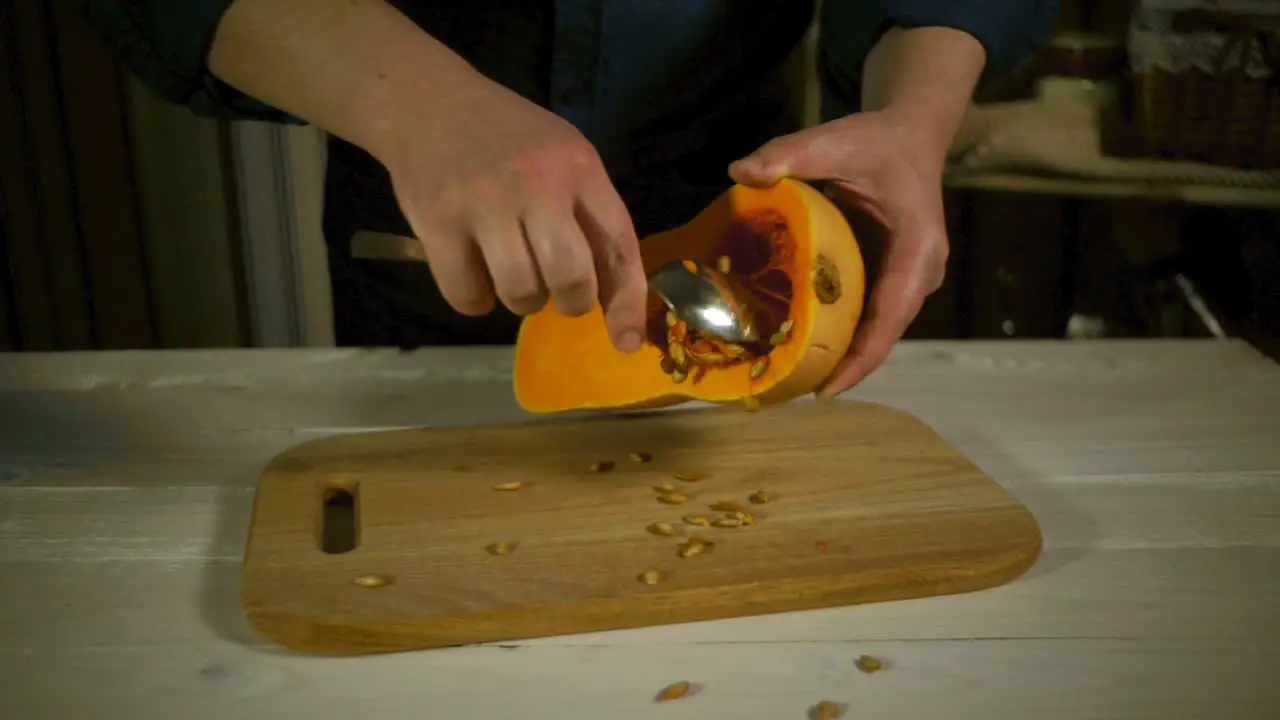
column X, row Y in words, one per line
column 875, row 163
column 512, row 203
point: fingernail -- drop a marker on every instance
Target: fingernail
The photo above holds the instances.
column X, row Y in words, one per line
column 629, row 341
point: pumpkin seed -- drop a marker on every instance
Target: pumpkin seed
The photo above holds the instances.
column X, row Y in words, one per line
column 509, row 486
column 674, row 691
column 758, row 368
column 678, row 355
column 735, row 351
column 868, row 664
column 726, row 506
column 724, row 263
column 502, row 547
column 760, row 497
column 671, row 319
column 664, row 488
column 667, row 364
column 786, row 326
column 650, row 577
column 695, row 546
column 602, row 466
column 372, row 580
column 672, row 498
column 710, row 358
column 826, row 710
column 779, row 338
column 661, row 528
column 726, row 522
column 699, row 520
column 679, row 376
column 690, row 476
column 640, row 457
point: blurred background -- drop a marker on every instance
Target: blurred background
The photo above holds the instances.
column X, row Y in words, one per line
column 1125, row 182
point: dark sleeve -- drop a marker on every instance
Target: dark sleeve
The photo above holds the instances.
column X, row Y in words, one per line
column 165, row 44
column 1009, row 30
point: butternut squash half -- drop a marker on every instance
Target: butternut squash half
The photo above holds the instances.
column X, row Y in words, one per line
column 794, row 251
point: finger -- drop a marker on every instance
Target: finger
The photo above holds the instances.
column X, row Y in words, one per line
column 615, row 251
column 458, row 269
column 896, row 298
column 563, row 257
column 500, row 237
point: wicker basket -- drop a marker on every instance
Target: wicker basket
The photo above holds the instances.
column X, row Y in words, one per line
column 1206, row 81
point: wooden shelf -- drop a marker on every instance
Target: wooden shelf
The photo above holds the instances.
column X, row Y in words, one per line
column 1220, row 196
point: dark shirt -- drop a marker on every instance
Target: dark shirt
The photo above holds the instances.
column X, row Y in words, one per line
column 669, row 91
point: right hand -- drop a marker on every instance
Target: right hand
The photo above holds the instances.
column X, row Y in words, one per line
column 512, row 203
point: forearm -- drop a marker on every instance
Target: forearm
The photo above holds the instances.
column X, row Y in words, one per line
column 926, row 77
column 351, row 67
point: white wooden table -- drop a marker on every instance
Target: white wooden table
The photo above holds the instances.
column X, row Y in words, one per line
column 1154, row 467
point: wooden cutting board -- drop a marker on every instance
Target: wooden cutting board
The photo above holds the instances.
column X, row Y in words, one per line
column 377, row 541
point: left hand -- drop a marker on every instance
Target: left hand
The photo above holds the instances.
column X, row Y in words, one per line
column 873, row 162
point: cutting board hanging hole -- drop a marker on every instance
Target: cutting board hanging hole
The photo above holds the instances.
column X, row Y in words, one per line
column 339, row 527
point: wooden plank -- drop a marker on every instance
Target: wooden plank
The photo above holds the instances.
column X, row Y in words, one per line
column 1186, row 594
column 979, row 679
column 185, row 523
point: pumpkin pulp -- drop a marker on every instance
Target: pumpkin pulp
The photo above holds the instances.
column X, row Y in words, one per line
column 795, row 255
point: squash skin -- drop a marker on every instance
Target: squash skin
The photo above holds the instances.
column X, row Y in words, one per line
column 566, row 364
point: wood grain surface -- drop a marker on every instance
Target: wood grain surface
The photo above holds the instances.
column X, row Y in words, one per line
column 847, row 503
column 127, row 482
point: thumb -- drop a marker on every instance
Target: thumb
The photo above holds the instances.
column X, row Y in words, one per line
column 797, row 155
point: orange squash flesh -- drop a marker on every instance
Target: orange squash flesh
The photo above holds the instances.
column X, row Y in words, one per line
column 788, row 244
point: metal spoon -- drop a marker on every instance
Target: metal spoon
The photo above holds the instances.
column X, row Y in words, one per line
column 706, row 300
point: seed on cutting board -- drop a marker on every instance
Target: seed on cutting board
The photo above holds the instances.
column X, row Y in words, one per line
column 372, row 580
column 661, row 528
column 674, row 691
column 726, row 506
column 695, row 546
column 826, row 710
column 509, row 486
column 672, row 498
column 760, row 497
column 726, row 522
column 602, row 466
column 664, row 488
column 690, row 476
column 868, row 664
column 502, row 547
column 640, row 457
column 650, row 576
column 699, row 520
